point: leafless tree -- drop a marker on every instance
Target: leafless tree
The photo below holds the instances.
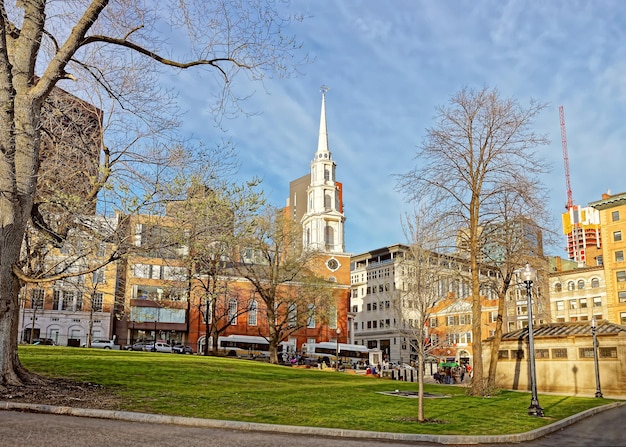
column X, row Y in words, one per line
column 516, row 239
column 419, row 290
column 113, row 53
column 282, row 274
column 213, row 222
column 481, row 146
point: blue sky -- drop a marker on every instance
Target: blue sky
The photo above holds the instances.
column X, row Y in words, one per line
column 389, row 64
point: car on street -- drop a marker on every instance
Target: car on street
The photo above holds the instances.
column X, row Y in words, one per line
column 102, row 344
column 159, row 346
column 44, row 341
column 182, row 349
column 138, row 346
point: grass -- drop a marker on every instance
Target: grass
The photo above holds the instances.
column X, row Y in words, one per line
column 240, row 390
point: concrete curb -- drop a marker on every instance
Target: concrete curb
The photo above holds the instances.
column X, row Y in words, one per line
column 298, row 430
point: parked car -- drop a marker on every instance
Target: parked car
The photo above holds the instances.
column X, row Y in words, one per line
column 138, row 346
column 159, row 346
column 103, row 344
column 182, row 349
column 44, row 341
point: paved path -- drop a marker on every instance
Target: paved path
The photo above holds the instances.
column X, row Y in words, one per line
column 45, row 429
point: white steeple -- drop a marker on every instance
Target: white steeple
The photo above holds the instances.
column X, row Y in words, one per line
column 322, row 143
column 323, row 222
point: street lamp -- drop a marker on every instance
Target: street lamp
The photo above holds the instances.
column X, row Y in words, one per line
column 595, row 356
column 529, row 275
column 337, row 350
column 155, row 336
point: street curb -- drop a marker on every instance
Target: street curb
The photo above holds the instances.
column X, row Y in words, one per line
column 300, row 430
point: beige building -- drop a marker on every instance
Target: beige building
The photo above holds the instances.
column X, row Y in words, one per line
column 578, row 294
column 67, row 311
column 564, row 359
column 613, row 229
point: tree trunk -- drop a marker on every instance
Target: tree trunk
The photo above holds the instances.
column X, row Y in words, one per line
column 495, row 344
column 11, row 372
column 420, row 379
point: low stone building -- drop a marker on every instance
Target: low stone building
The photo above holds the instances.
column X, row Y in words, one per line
column 564, row 359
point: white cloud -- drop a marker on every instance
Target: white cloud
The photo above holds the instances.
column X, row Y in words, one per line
column 389, row 64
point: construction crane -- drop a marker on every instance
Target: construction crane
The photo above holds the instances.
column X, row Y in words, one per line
column 570, row 201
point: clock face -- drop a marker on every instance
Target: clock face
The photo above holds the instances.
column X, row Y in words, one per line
column 332, row 264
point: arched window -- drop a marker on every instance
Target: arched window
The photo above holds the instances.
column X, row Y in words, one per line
column 329, row 235
column 595, row 282
column 292, row 314
column 252, row 313
column 326, row 174
column 558, row 287
column 232, row 311
column 581, row 283
column 570, row 285
column 327, row 201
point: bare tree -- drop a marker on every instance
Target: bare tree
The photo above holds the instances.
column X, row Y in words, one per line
column 480, row 146
column 419, row 291
column 516, row 239
column 281, row 273
column 213, row 221
column 113, row 53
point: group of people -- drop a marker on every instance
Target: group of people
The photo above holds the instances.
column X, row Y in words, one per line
column 452, row 374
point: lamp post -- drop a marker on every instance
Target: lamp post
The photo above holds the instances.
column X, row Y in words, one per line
column 155, row 336
column 337, row 350
column 595, row 357
column 529, row 275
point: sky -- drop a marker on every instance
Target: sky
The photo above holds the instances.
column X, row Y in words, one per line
column 388, row 65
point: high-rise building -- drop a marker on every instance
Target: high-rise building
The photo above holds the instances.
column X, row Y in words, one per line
column 612, row 209
column 581, row 226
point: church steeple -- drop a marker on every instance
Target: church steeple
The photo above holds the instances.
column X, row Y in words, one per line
column 323, row 222
column 322, row 143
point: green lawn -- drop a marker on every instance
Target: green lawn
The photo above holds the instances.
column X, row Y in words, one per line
column 241, row 390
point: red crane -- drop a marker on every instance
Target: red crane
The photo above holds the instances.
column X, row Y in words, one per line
column 570, row 201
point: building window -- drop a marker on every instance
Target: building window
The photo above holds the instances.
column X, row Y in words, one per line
column 232, row 311
column 96, row 301
column 559, row 353
column 621, row 276
column 581, row 284
column 607, row 353
column 597, row 301
column 557, row 287
column 252, row 313
column 622, row 296
column 311, row 320
column 622, row 318
column 615, row 216
column 617, row 236
column 503, row 354
column 585, row 353
column 599, row 260
column 619, row 256
column 595, row 283
column 570, row 285
column 583, row 303
column 333, row 316
column 542, row 354
column 573, row 304
column 36, row 298
column 98, row 276
column 560, row 306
